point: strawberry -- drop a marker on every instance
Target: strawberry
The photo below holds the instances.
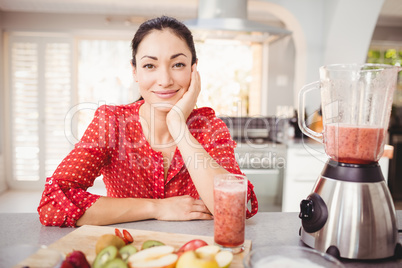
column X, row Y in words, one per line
column 66, row 264
column 127, row 236
column 119, row 234
column 77, row 259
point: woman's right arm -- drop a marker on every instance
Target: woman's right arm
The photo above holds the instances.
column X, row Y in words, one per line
column 109, row 210
column 65, row 197
column 66, row 201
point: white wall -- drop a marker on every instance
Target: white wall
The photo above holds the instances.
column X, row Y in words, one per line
column 65, row 23
column 281, row 73
column 350, row 30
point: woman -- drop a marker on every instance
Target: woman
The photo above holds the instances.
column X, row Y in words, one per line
column 158, row 156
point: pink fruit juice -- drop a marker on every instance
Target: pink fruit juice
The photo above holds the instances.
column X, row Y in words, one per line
column 229, row 215
column 353, row 144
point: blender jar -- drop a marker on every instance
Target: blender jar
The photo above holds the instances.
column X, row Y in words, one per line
column 356, row 102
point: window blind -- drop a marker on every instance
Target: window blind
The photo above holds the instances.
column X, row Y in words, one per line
column 41, row 95
column 25, row 96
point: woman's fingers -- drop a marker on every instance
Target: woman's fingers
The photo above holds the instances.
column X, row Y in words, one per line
column 195, row 80
column 183, row 208
column 200, row 206
column 201, row 216
column 178, row 115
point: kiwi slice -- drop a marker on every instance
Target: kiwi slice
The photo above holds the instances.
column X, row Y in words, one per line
column 107, row 254
column 127, row 251
column 116, row 263
column 152, row 243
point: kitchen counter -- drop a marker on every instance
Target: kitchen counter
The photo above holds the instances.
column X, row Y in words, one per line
column 264, row 229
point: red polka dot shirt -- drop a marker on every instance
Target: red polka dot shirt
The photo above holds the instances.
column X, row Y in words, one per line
column 114, row 145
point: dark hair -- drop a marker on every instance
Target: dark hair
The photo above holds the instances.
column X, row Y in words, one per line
column 160, row 23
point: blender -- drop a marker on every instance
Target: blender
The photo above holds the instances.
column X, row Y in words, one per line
column 350, row 212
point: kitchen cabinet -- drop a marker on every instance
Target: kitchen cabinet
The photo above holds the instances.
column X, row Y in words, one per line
column 267, row 187
column 261, row 163
column 305, row 161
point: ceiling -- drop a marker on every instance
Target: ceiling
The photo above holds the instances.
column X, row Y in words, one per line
column 391, row 13
column 110, row 7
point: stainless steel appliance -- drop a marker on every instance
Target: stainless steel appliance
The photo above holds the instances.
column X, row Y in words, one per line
column 221, row 19
column 350, row 212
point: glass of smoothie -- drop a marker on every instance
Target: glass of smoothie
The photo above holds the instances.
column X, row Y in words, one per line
column 230, row 198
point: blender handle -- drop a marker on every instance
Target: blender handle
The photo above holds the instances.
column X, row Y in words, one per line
column 302, row 113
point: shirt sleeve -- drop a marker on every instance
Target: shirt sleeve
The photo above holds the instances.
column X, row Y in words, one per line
column 217, row 141
column 65, row 197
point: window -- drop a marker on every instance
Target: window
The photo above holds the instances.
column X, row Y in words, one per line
column 230, row 76
column 104, row 77
column 388, row 53
column 40, row 93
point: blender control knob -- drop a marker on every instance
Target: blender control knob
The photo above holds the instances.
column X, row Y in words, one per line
column 306, row 209
column 313, row 213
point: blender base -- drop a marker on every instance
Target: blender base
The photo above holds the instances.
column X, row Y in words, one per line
column 334, row 251
column 351, row 218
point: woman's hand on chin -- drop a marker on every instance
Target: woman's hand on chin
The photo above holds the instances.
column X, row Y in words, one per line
column 182, row 208
column 177, row 116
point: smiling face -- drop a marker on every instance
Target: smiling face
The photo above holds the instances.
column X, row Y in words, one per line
column 163, row 68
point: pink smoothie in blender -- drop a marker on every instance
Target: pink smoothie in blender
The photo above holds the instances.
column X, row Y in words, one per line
column 353, row 144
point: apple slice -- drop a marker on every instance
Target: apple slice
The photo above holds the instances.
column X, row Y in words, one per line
column 224, row 258
column 190, row 259
column 206, row 252
column 191, row 245
column 156, row 257
column 167, row 261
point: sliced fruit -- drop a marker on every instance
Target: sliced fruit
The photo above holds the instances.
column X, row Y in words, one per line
column 107, row 254
column 128, row 236
column 108, row 240
column 66, row 264
column 206, row 252
column 167, row 261
column 77, row 259
column 224, row 258
column 151, row 243
column 156, row 257
column 116, row 263
column 127, row 251
column 119, row 234
column 191, row 245
column 190, row 259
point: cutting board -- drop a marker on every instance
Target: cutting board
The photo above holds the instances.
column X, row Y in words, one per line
column 84, row 238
